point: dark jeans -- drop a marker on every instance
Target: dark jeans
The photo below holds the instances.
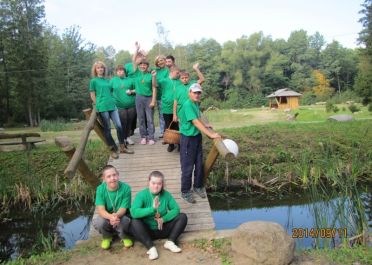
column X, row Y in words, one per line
column 171, row 230
column 145, row 116
column 104, row 227
column 114, row 116
column 126, row 118
column 191, row 155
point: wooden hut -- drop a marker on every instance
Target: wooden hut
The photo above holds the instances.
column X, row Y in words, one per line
column 284, row 99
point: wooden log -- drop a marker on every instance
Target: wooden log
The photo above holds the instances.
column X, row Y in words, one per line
column 78, row 154
column 209, row 162
column 98, row 128
column 65, row 144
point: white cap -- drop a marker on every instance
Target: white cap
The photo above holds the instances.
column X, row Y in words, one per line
column 195, row 88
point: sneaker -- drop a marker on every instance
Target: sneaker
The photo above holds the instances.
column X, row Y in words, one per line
column 171, row 147
column 127, row 242
column 187, row 196
column 153, row 253
column 172, row 247
column 200, row 192
column 106, row 243
column 130, row 141
column 143, row 141
column 161, row 135
column 151, row 142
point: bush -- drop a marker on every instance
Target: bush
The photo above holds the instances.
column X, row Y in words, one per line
column 308, row 98
column 353, row 108
column 370, row 107
column 329, row 106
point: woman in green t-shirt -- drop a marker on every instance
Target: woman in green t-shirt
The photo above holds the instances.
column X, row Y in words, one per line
column 155, row 215
column 125, row 100
column 100, row 93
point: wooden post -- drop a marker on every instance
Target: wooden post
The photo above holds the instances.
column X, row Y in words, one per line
column 98, row 128
column 218, row 147
column 65, row 144
column 77, row 156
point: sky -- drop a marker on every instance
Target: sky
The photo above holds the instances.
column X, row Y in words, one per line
column 121, row 22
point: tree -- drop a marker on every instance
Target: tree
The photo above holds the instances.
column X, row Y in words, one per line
column 363, row 84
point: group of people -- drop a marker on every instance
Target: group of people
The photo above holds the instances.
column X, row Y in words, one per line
column 131, row 94
column 153, row 214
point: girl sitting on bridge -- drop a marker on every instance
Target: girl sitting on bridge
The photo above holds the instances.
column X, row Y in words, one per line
column 156, row 215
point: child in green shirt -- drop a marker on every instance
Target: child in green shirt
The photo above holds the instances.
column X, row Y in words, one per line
column 156, row 215
column 113, row 200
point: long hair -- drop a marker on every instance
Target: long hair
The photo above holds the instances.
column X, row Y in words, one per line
column 94, row 71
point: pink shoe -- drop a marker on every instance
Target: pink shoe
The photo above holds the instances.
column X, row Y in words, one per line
column 151, row 142
column 143, row 141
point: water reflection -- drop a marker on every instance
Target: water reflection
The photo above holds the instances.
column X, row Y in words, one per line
column 20, row 231
column 295, row 215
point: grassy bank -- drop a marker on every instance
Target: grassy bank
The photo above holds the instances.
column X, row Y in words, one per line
column 34, row 178
column 289, row 156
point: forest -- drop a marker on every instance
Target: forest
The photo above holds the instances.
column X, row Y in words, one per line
column 44, row 75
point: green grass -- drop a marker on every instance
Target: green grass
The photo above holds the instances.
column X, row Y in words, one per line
column 345, row 255
column 294, row 153
column 34, row 178
column 221, row 246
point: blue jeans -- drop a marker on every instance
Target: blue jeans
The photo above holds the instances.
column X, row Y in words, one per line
column 145, row 115
column 161, row 118
column 191, row 155
column 114, row 116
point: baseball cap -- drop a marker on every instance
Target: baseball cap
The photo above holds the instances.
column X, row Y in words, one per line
column 195, row 88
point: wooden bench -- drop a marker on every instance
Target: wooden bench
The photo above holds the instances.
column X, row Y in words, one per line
column 28, row 144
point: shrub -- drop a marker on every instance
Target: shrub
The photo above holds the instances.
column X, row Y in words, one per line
column 370, row 107
column 353, row 108
column 54, row 126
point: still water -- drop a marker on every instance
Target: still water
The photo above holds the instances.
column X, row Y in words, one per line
column 295, row 215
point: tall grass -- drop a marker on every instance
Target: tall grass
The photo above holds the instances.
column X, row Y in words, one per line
column 54, row 126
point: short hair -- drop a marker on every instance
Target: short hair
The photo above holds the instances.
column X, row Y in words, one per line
column 119, row 67
column 107, row 167
column 171, row 57
column 158, row 174
column 97, row 63
column 144, row 61
column 174, row 68
column 184, row 72
column 159, row 57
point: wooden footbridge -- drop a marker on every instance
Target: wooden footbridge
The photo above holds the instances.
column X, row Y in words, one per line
column 135, row 168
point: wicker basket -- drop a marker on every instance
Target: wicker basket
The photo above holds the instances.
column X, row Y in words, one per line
column 171, row 136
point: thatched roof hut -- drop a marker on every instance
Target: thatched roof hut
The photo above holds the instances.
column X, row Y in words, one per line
column 284, row 98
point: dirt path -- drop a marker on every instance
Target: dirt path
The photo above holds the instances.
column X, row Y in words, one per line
column 91, row 253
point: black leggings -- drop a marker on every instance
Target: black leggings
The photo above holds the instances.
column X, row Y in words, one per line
column 127, row 118
column 171, row 230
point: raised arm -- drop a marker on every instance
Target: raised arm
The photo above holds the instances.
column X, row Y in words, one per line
column 200, row 75
column 134, row 58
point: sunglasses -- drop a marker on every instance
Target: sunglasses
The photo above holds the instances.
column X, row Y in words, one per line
column 197, row 92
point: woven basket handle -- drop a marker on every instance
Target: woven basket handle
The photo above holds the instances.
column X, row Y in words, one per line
column 170, row 125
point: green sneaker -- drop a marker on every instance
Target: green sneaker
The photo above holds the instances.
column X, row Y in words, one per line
column 127, row 242
column 106, row 243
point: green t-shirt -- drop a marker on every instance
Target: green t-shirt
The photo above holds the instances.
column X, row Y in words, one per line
column 143, row 83
column 161, row 73
column 119, row 87
column 104, row 99
column 120, row 198
column 142, row 207
column 129, row 70
column 189, row 112
column 168, row 89
column 182, row 94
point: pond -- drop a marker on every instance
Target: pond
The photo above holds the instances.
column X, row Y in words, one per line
column 23, row 233
column 297, row 215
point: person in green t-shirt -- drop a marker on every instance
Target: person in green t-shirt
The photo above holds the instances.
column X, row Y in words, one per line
column 161, row 72
column 182, row 91
column 168, row 87
column 145, row 86
column 113, row 200
column 100, row 93
column 156, row 214
column 191, row 152
column 125, row 100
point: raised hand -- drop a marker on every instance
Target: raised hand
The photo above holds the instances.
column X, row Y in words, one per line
column 195, row 66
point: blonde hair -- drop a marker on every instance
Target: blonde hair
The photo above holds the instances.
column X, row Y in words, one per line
column 158, row 58
column 94, row 71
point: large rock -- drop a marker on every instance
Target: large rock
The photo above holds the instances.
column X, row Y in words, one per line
column 264, row 243
column 341, row 117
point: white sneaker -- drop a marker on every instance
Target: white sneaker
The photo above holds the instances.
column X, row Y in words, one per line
column 130, row 141
column 172, row 247
column 153, row 253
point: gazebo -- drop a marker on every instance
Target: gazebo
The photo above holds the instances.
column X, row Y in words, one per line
column 284, row 98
